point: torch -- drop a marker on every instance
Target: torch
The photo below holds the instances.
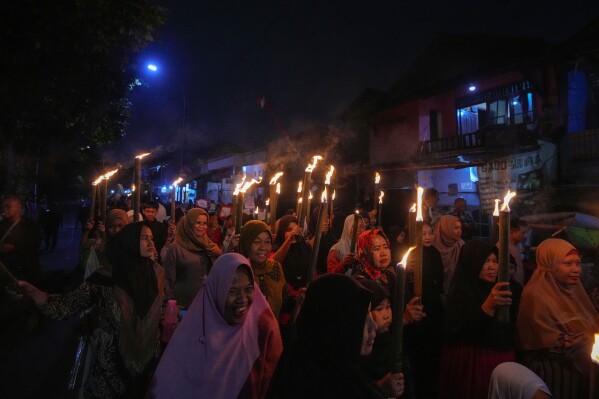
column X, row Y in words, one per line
column 92, row 204
column 275, row 189
column 104, row 197
column 332, row 209
column 594, row 383
column 354, row 232
column 503, row 312
column 398, row 309
column 308, row 214
column 327, row 184
column 240, row 202
column 173, row 202
column 306, row 187
column 377, row 180
column 495, row 219
column 298, row 209
column 235, row 203
column 418, row 274
column 412, row 225
column 318, row 234
column 380, row 211
column 137, row 182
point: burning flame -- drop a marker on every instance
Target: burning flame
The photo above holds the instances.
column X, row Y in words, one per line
column 109, row 174
column 299, row 186
column 333, row 196
column 381, row 197
column 315, row 160
column 595, row 351
column 267, row 202
column 143, row 155
column 273, row 181
column 176, row 182
column 506, row 201
column 238, row 186
column 278, row 190
column 299, row 201
column 249, row 184
column 256, row 211
column 496, row 211
column 357, row 212
column 377, row 178
column 310, row 196
column 404, row 261
column 413, row 208
column 329, row 175
column 323, row 197
column 420, row 192
column 98, row 180
column 132, row 186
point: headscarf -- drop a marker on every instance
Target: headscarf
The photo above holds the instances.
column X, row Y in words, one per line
column 139, row 292
column 116, row 214
column 548, row 309
column 365, row 251
column 323, row 362
column 448, row 246
column 282, row 226
column 379, row 292
column 249, row 232
column 344, row 243
column 209, row 358
column 297, row 262
column 185, row 233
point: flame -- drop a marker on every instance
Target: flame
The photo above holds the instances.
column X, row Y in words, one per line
column 256, row 211
column 323, row 197
column 329, row 175
column 132, row 186
column 315, row 160
column 595, row 351
column 506, row 201
column 357, row 212
column 238, row 186
column 496, row 211
column 299, row 186
column 299, row 201
column 333, row 196
column 381, row 197
column 273, row 181
column 278, row 190
column 176, row 182
column 143, row 155
column 404, row 261
column 413, row 208
column 310, row 196
column 267, row 202
column 377, row 178
column 98, row 180
column 109, row 174
column 249, row 184
column 420, row 192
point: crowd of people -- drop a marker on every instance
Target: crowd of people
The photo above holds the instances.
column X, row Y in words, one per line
column 257, row 320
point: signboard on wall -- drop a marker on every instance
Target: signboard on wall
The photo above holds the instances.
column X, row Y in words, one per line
column 525, row 173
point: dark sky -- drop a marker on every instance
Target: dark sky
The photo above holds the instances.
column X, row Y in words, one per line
column 310, row 59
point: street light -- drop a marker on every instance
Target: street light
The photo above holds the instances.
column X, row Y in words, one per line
column 154, row 68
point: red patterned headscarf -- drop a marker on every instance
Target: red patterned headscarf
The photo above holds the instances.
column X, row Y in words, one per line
column 365, row 251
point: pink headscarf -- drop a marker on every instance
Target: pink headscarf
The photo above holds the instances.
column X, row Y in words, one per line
column 209, row 358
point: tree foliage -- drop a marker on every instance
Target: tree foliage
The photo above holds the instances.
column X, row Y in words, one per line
column 66, row 70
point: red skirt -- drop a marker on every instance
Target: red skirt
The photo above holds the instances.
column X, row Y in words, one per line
column 466, row 370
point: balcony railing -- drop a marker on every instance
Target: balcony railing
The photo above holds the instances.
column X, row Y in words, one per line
column 454, row 143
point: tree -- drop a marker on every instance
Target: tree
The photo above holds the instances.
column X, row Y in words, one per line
column 66, row 69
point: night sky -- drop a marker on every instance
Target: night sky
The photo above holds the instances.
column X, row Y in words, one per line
column 309, row 59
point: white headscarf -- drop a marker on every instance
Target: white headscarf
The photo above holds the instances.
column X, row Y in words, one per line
column 343, row 245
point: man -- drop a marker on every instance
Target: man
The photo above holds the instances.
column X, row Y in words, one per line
column 431, row 212
column 19, row 241
column 149, row 210
column 468, row 223
column 51, row 222
column 518, row 231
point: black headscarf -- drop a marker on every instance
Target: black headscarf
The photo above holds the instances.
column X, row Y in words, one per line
column 296, row 265
column 465, row 320
column 134, row 274
column 323, row 362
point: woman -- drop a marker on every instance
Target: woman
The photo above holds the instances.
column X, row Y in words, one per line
column 334, row 328
column 376, row 365
column 423, row 342
column 447, row 238
column 130, row 298
column 341, row 257
column 188, row 259
column 227, row 345
column 295, row 255
column 475, row 342
column 255, row 244
column 374, row 255
column 557, row 321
